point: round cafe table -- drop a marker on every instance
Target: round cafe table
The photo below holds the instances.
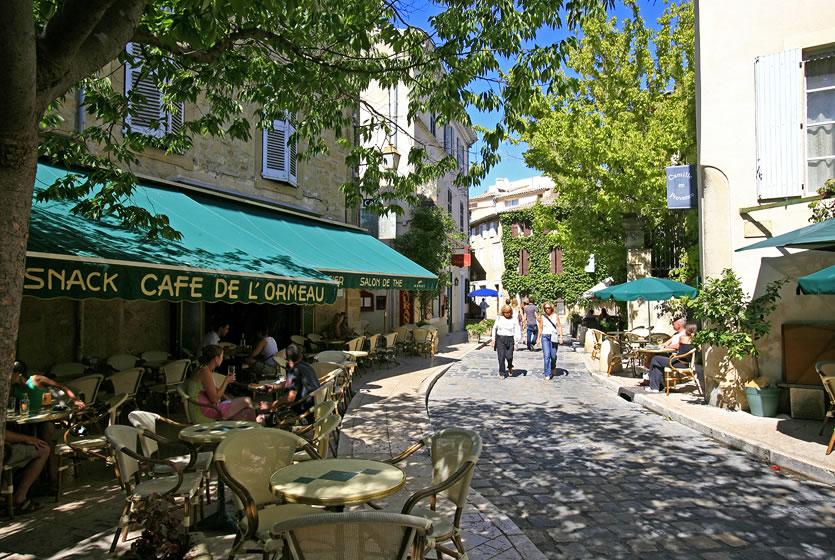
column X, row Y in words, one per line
column 650, row 351
column 211, row 434
column 337, row 482
column 43, row 415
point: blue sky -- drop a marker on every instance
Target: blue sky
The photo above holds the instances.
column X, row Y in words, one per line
column 512, row 165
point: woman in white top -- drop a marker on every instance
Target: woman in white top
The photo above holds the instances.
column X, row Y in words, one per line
column 505, row 332
column 549, row 328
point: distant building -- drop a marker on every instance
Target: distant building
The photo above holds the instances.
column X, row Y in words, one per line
column 486, row 248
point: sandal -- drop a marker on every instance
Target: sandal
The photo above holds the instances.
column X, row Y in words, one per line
column 28, row 506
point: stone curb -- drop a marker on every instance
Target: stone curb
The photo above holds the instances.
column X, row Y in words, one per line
column 754, row 448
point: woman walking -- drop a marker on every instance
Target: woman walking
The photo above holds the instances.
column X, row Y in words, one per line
column 505, row 332
column 549, row 329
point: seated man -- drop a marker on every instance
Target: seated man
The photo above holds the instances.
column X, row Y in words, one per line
column 301, row 379
column 30, row 454
column 672, row 343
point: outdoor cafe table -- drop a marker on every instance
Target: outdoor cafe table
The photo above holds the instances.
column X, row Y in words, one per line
column 650, row 351
column 337, row 482
column 211, row 434
column 335, row 343
column 357, row 354
column 43, row 415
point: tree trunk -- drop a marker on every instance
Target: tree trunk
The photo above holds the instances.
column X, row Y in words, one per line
column 18, row 157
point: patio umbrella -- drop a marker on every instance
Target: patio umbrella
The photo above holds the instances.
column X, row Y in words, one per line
column 599, row 286
column 819, row 236
column 484, row 292
column 649, row 289
column 820, row 282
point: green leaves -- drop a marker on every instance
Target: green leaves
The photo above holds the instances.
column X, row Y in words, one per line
column 607, row 138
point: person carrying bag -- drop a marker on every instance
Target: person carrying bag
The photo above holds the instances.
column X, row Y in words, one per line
column 549, row 327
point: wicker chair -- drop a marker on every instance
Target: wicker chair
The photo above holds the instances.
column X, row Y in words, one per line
column 831, row 445
column 245, row 461
column 87, row 387
column 150, row 448
column 127, row 381
column 119, row 362
column 154, row 358
column 323, row 435
column 124, row 441
column 366, row 535
column 174, row 373
column 826, row 370
column 598, row 343
column 454, row 452
column 389, row 352
column 677, row 374
column 658, row 338
column 314, row 342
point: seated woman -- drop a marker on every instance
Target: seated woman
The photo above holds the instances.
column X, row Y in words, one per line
column 681, row 346
column 212, row 396
column 261, row 360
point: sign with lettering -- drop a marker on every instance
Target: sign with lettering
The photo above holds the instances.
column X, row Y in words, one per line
column 682, row 192
column 381, row 282
column 48, row 278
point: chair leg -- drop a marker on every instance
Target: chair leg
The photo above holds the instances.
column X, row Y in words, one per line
column 831, row 443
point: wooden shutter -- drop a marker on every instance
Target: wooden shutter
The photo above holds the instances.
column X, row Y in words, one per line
column 523, row 262
column 274, row 152
column 779, row 125
column 556, row 261
column 148, row 115
column 527, row 230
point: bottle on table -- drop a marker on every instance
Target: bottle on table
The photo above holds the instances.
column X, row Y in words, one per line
column 24, row 404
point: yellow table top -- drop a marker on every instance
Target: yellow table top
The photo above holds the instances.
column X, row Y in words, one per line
column 337, row 482
column 214, row 432
column 43, row 415
column 655, row 350
column 357, row 353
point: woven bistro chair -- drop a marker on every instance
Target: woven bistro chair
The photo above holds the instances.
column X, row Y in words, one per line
column 831, row 445
column 826, row 371
column 454, row 453
column 154, row 358
column 322, row 435
column 364, row 535
column 287, row 416
column 127, row 381
column 245, row 461
column 119, row 362
column 67, row 370
column 87, row 387
column 173, row 373
column 389, row 352
column 676, row 374
column 315, row 342
column 150, row 447
column 129, row 461
column 598, row 343
column 658, row 338
column 299, row 340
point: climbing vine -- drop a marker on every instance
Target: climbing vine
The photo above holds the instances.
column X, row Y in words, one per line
column 539, row 282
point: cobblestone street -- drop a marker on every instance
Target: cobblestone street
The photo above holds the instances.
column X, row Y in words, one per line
column 589, row 475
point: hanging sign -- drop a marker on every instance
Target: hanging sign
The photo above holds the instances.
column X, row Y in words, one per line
column 682, row 193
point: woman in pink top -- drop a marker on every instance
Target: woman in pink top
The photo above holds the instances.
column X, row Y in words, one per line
column 212, row 396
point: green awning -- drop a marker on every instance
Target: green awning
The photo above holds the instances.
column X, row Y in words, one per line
column 820, row 236
column 349, row 255
column 71, row 256
column 820, row 282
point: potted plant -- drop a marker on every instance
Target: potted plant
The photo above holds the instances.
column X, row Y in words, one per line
column 732, row 323
column 164, row 537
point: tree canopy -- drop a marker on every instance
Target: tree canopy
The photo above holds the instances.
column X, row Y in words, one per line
column 629, row 112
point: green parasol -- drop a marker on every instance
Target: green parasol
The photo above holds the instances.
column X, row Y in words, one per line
column 649, row 289
column 820, row 282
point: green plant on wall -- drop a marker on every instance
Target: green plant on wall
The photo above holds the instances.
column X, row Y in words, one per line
column 539, row 282
column 730, row 318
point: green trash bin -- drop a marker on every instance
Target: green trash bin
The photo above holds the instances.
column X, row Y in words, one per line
column 763, row 402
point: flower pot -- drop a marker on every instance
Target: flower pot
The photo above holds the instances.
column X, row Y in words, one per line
column 763, row 402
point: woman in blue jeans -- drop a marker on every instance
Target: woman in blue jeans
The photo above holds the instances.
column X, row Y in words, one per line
column 549, row 329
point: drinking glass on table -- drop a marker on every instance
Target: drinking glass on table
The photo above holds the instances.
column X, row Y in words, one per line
column 230, row 371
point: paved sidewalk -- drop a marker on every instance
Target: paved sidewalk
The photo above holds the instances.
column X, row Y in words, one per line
column 389, row 413
column 783, row 441
column 586, row 474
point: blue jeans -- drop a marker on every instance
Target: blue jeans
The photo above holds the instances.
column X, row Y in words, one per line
column 532, row 336
column 549, row 354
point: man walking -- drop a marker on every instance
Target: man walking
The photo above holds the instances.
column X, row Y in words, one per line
column 532, row 322
column 483, row 306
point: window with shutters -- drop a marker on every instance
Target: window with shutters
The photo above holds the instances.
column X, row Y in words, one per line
column 279, row 158
column 393, row 114
column 461, row 215
column 526, row 230
column 148, row 113
column 820, row 120
column 523, row 262
column 514, row 230
column 449, row 202
column 449, row 139
column 556, row 261
column 433, row 124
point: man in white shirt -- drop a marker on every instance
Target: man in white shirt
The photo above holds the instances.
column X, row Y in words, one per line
column 218, row 331
column 673, row 342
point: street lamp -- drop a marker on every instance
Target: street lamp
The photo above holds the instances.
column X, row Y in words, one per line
column 391, row 157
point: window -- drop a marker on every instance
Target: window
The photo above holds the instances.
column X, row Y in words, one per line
column 381, row 303
column 278, row 159
column 433, row 124
column 523, row 262
column 366, row 301
column 512, row 202
column 461, row 214
column 820, row 121
column 449, row 137
column 393, row 115
column 556, row 261
column 449, row 201
column 482, row 227
column 526, row 230
column 514, row 230
column 148, row 113
column 493, row 227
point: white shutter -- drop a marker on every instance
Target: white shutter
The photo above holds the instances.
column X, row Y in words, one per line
column 274, row 152
column 150, row 116
column 779, row 120
column 393, row 114
column 447, row 139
